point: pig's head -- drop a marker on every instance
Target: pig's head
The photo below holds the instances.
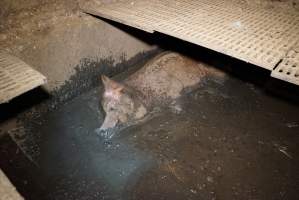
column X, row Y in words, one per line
column 120, row 104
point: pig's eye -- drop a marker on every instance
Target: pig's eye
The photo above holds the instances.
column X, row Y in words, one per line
column 111, row 109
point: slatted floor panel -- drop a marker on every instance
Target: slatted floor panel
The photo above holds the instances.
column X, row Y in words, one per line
column 288, row 69
column 7, row 190
column 16, row 77
column 259, row 36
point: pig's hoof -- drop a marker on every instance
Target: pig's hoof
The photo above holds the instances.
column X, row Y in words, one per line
column 106, row 134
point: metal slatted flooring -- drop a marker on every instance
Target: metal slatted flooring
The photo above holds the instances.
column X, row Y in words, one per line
column 16, row 77
column 7, row 190
column 288, row 69
column 259, row 36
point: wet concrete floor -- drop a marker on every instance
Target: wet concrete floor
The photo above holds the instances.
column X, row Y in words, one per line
column 231, row 140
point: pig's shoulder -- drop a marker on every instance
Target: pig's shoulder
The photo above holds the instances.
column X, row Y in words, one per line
column 154, row 81
column 167, row 75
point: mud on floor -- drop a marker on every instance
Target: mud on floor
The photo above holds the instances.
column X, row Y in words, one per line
column 230, row 141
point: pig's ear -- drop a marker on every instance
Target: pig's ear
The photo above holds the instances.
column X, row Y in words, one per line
column 110, row 84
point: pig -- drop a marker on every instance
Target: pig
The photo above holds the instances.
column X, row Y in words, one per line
column 160, row 82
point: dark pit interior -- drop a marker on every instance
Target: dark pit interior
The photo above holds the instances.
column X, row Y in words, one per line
column 235, row 138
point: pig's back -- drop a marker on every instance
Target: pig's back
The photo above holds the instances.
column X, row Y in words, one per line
column 165, row 76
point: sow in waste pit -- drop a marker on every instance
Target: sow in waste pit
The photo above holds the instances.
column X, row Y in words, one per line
column 16, row 77
column 260, row 36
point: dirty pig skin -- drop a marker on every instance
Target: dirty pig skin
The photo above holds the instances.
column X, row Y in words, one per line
column 160, row 82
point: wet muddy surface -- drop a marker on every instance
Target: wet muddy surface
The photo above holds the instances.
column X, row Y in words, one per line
column 229, row 140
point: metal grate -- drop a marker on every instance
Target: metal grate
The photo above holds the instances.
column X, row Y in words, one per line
column 255, row 35
column 16, row 77
column 288, row 69
column 7, row 190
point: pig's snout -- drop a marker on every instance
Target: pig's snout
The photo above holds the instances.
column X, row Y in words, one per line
column 105, row 133
column 110, row 121
column 106, row 130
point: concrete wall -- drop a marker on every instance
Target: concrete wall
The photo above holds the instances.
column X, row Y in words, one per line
column 58, row 52
column 54, row 37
